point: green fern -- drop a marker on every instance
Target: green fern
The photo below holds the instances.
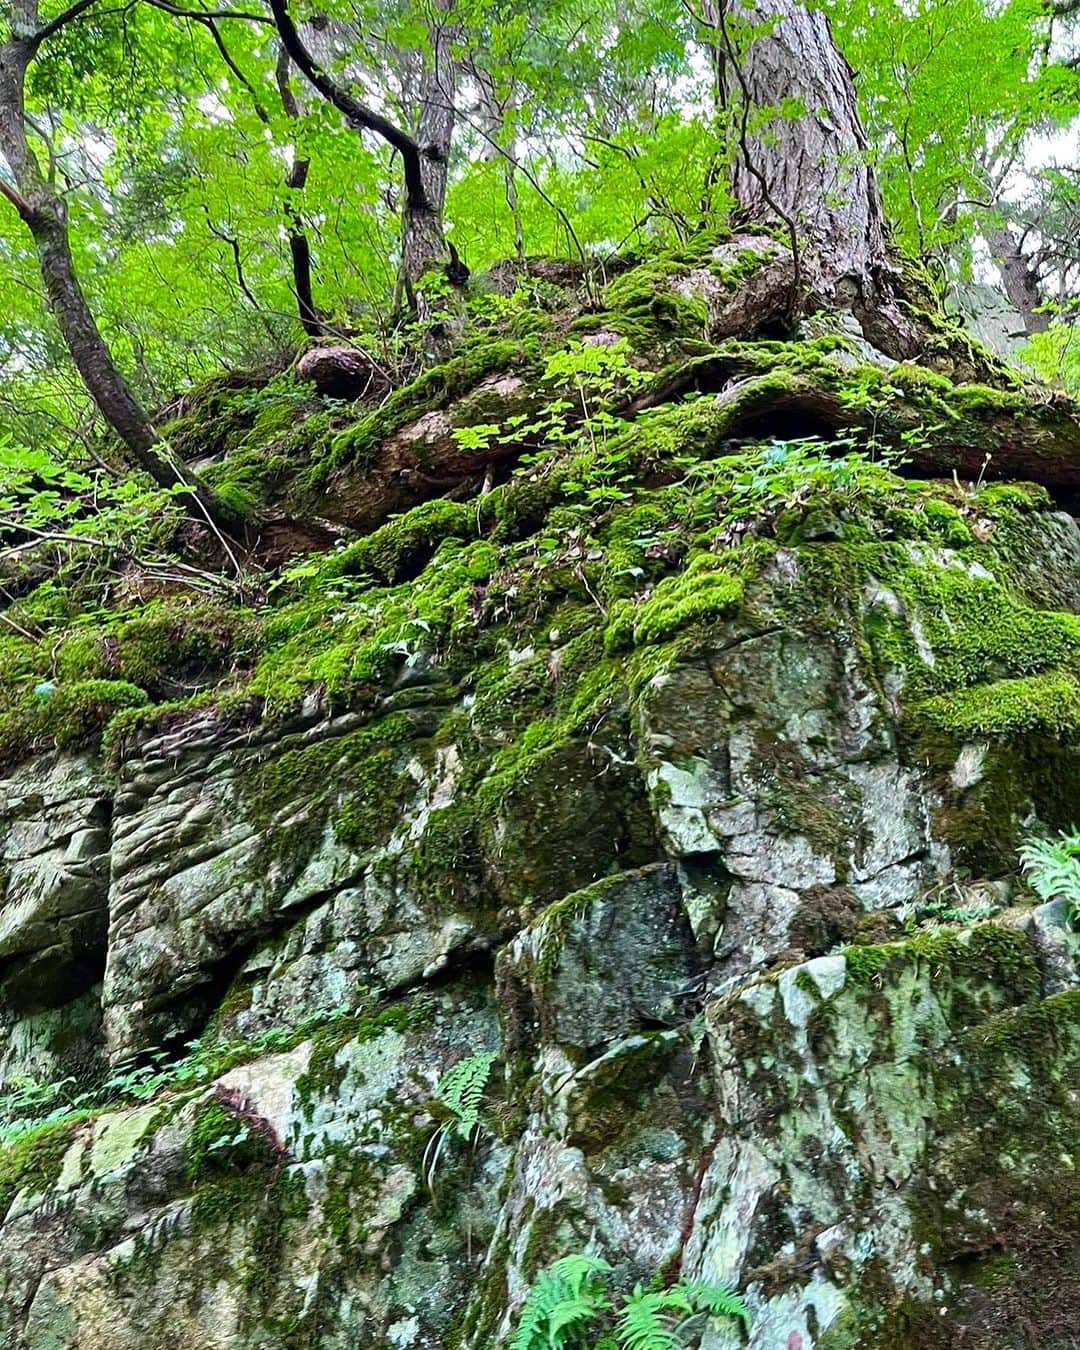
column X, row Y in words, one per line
column 562, row 1303
column 461, row 1092
column 1053, row 868
column 647, row 1323
column 569, row 1303
column 715, row 1299
column 652, row 1321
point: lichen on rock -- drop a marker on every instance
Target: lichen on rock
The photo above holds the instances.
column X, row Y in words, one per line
column 670, row 762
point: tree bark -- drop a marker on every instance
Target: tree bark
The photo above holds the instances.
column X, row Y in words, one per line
column 808, row 169
column 1019, row 279
column 423, row 246
column 43, row 212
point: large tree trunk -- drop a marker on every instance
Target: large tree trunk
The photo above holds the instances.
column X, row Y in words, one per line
column 810, row 172
column 423, row 243
column 44, row 214
column 1020, row 281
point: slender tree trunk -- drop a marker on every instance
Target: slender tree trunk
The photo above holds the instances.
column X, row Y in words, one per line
column 423, row 157
column 809, row 170
column 1020, row 281
column 299, row 244
column 43, row 212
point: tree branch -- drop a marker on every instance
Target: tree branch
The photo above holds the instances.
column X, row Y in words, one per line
column 18, row 202
column 203, row 15
column 219, row 42
column 358, row 114
column 69, row 15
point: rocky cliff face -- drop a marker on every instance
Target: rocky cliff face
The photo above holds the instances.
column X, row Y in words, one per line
column 696, row 841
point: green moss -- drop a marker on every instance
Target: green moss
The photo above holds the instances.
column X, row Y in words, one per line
column 33, row 1161
column 987, row 955
column 396, row 549
column 705, row 591
column 162, row 644
column 644, row 308
column 345, row 641
column 222, row 1143
column 434, row 389
column 69, row 717
column 1008, row 710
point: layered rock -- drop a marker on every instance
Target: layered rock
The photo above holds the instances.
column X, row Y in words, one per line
column 697, row 850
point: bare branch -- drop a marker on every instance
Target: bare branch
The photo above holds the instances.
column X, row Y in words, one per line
column 202, row 15
column 358, row 114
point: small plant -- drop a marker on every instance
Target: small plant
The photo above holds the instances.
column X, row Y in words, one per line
column 27, row 1104
column 652, row 1321
column 460, row 1093
column 789, row 474
column 562, row 1304
column 1053, row 869
column 569, row 1308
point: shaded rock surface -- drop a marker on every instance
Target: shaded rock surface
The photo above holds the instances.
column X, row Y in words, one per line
column 699, row 849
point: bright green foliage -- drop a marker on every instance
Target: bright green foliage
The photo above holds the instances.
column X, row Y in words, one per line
column 651, row 1321
column 569, row 1307
column 1053, row 868
column 460, row 1093
column 563, row 1304
column 1054, row 356
column 951, row 89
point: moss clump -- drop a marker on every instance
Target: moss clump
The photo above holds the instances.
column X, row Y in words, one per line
column 435, row 388
column 64, row 689
column 341, row 641
column 988, row 956
column 223, row 1143
column 162, row 645
column 33, row 1161
column 704, row 592
column 400, row 548
column 64, row 717
column 974, row 627
column 644, row 308
column 1007, row 710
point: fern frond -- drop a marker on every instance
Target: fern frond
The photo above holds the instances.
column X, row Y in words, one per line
column 562, row 1302
column 1053, row 866
column 715, row 1299
column 461, row 1090
column 577, row 1270
column 645, row 1322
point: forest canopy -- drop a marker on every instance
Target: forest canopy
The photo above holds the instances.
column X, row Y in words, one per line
column 208, row 186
